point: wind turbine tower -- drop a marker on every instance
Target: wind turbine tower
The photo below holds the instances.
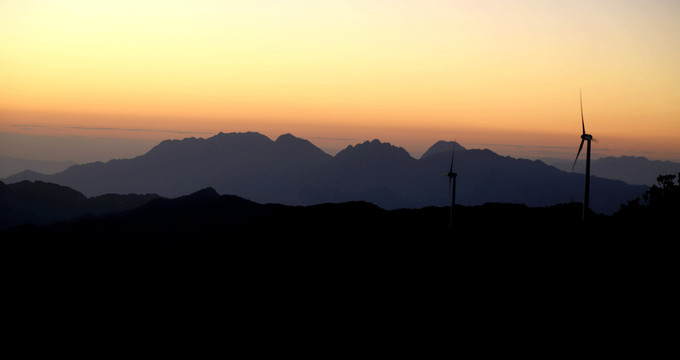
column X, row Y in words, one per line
column 584, row 137
column 452, row 185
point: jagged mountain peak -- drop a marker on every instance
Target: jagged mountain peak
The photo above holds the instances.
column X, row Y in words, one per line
column 291, row 140
column 442, row 146
column 287, row 144
column 235, row 139
column 288, row 137
column 374, row 149
column 248, row 135
column 219, row 137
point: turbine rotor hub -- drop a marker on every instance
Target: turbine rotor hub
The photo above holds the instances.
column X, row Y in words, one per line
column 587, row 137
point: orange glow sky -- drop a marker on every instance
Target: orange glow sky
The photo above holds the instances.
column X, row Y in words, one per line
column 499, row 74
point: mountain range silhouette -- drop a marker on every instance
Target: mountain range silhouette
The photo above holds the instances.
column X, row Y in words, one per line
column 293, row 171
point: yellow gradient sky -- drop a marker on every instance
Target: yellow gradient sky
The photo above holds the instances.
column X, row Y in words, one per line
column 499, row 74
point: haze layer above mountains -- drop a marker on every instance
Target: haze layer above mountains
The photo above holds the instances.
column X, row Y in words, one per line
column 293, row 171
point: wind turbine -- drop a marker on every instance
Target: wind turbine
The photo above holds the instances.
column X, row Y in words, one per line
column 452, row 185
column 584, row 137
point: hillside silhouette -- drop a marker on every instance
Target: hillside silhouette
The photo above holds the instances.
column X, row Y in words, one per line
column 206, row 216
column 293, row 171
column 41, row 203
column 53, row 214
column 208, row 237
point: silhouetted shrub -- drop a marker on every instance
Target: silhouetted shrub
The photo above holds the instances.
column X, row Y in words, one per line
column 659, row 204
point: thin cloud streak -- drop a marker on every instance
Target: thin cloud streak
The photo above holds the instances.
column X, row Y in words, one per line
column 519, row 146
column 31, row 126
column 332, row 138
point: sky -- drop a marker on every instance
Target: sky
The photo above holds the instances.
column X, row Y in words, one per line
column 87, row 80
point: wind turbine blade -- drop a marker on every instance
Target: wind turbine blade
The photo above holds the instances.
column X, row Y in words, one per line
column 577, row 154
column 453, row 155
column 583, row 123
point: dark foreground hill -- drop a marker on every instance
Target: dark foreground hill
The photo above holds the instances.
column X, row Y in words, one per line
column 340, row 264
column 341, row 258
column 293, row 171
column 206, row 219
column 41, row 203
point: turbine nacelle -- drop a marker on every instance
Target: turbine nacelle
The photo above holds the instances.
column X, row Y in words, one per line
column 584, row 137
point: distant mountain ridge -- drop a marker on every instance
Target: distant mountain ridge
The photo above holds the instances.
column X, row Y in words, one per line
column 636, row 170
column 293, row 171
column 12, row 165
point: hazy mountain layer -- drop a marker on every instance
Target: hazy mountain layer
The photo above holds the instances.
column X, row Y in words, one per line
column 630, row 169
column 293, row 171
column 12, row 165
